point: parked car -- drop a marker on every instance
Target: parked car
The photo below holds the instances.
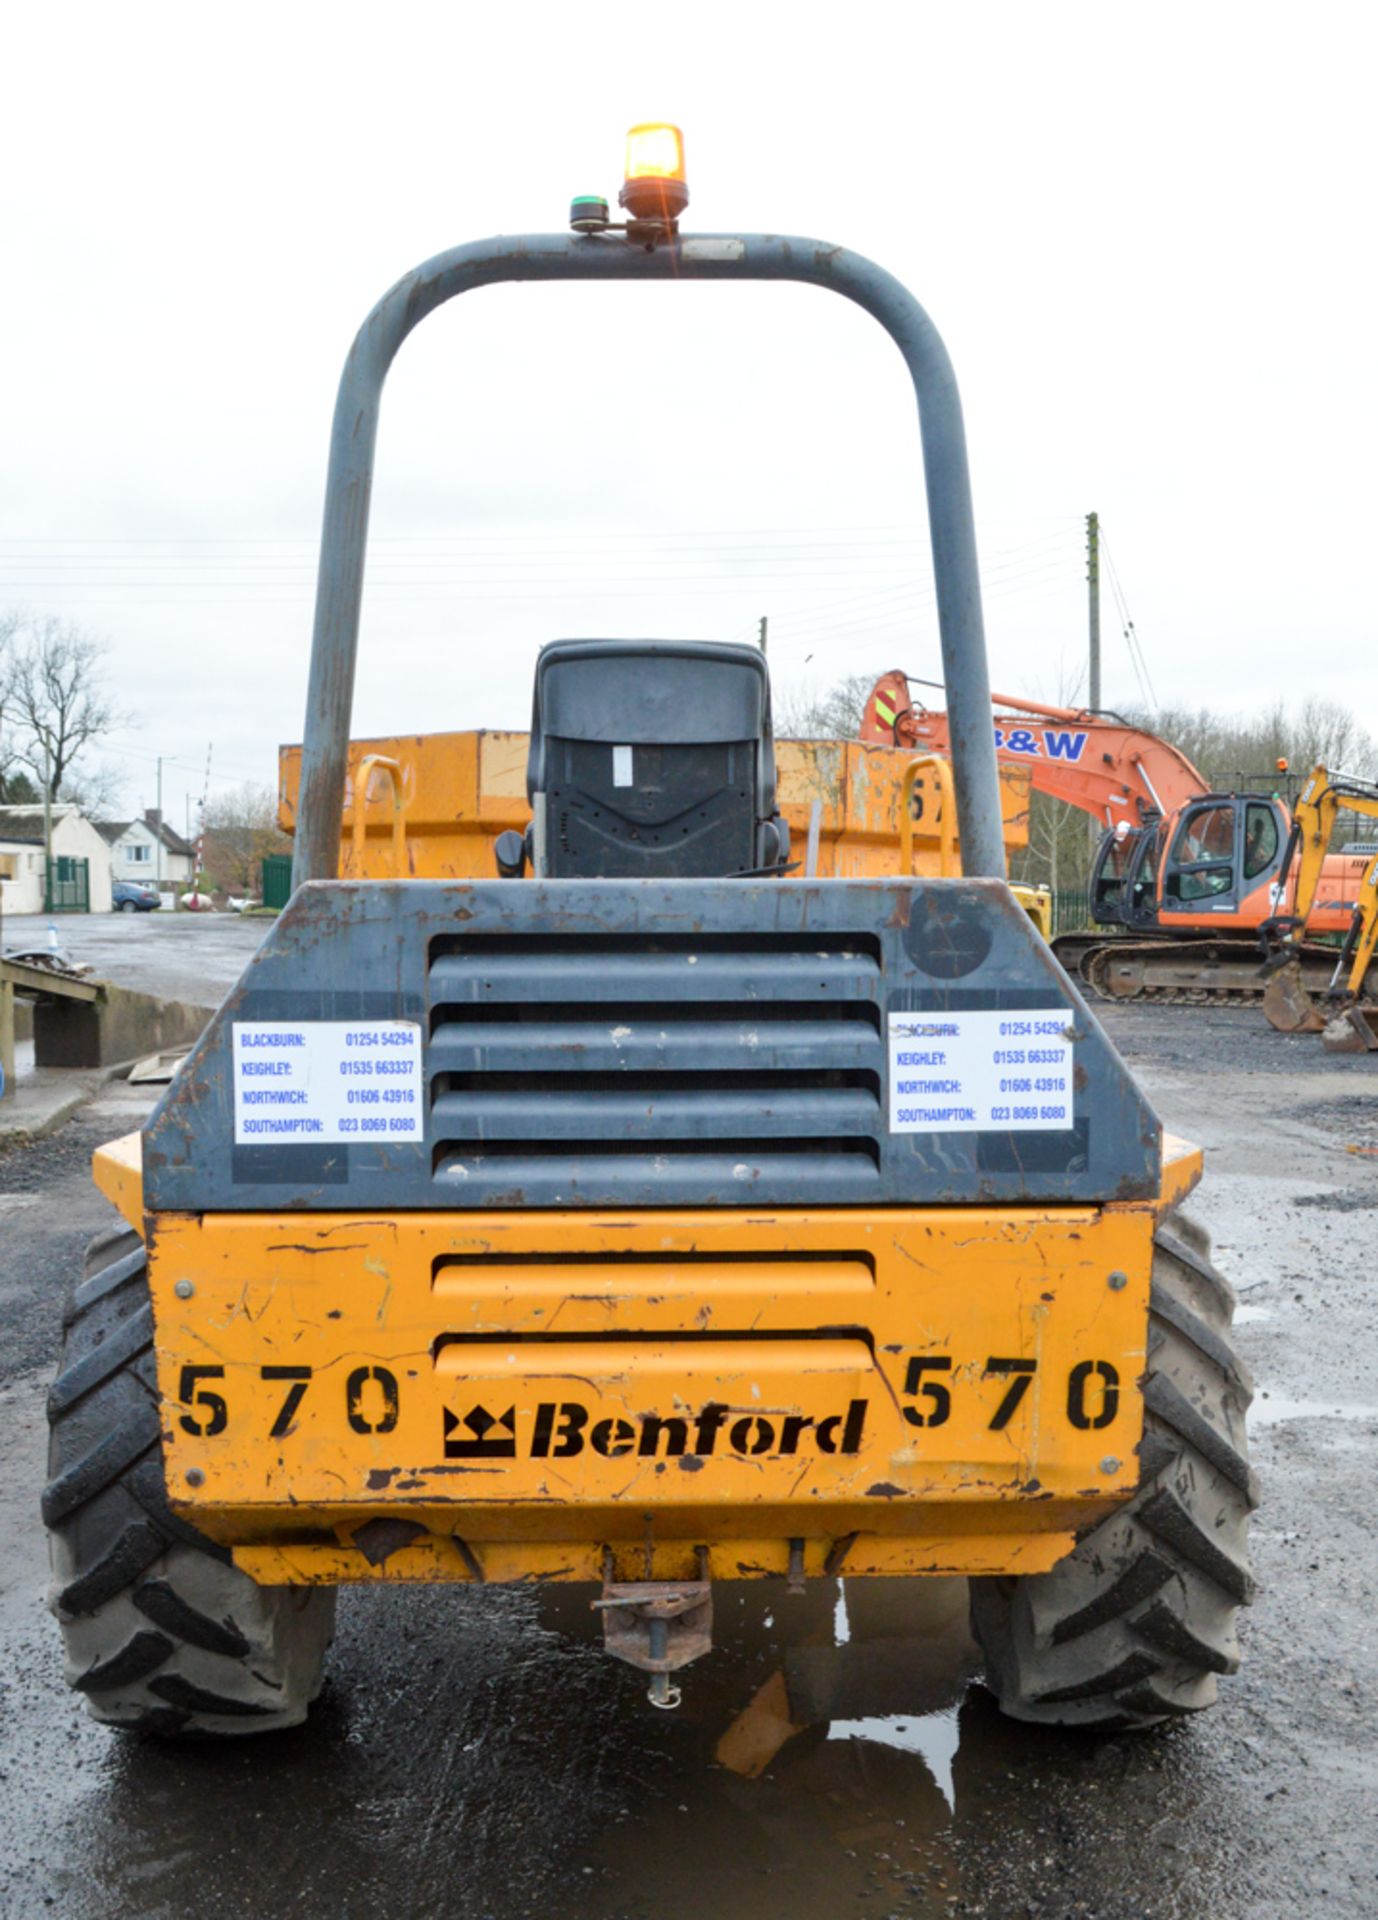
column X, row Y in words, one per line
column 130, row 896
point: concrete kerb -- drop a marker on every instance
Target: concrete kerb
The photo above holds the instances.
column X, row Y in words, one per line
column 70, row 1042
column 47, row 1100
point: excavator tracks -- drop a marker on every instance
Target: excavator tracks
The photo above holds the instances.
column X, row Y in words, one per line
column 1182, row 973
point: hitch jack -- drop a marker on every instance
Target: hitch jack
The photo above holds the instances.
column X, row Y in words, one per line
column 659, row 1626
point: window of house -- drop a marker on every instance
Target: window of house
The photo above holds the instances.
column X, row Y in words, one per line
column 139, row 852
column 9, row 866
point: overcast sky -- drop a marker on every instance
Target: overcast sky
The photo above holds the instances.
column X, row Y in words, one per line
column 1146, row 233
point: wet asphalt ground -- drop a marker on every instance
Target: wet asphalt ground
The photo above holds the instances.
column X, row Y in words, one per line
column 475, row 1754
column 195, row 957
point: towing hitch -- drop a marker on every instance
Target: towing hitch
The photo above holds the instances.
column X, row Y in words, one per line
column 659, row 1626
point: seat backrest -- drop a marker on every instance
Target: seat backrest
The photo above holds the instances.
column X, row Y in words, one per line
column 652, row 759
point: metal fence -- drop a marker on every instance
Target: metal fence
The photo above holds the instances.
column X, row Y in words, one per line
column 68, row 888
column 1071, row 910
column 277, row 879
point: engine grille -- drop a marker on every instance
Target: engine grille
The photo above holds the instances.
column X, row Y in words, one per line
column 620, row 1045
column 568, row 1062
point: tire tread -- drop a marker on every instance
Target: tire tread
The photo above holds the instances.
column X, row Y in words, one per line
column 1138, row 1622
column 163, row 1634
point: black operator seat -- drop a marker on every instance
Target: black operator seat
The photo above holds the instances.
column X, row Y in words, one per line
column 652, row 759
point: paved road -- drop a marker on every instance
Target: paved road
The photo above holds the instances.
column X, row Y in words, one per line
column 475, row 1755
column 195, row 957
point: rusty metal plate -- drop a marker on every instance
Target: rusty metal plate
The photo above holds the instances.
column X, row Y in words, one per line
column 499, row 1376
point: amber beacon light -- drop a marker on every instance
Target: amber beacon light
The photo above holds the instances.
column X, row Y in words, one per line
column 655, row 187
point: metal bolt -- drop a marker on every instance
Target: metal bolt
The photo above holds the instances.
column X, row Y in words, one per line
column 662, row 1691
column 1107, row 1466
column 184, row 1289
column 1118, row 1281
column 195, row 1477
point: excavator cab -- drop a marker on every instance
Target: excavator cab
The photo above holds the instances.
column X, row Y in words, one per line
column 1202, row 866
column 1114, row 857
column 1225, row 847
column 1124, row 878
column 1221, row 850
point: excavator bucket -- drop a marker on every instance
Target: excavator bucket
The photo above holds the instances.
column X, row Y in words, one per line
column 1355, row 1030
column 1288, row 1005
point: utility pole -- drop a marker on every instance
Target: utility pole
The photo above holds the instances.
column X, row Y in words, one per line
column 1093, row 606
column 158, row 833
column 47, row 830
column 1093, row 617
column 761, row 635
column 201, row 823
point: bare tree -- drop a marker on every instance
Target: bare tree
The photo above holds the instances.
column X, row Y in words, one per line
column 9, row 740
column 1058, row 845
column 240, row 828
column 57, row 698
column 803, row 713
column 1229, row 748
column 98, row 791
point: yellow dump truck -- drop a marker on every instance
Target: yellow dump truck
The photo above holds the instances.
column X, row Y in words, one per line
column 648, row 1197
column 435, row 806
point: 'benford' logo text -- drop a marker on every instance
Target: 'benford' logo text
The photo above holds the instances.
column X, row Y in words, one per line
column 563, row 1428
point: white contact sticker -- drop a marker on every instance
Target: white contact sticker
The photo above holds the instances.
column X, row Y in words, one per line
column 987, row 1072
column 327, row 1080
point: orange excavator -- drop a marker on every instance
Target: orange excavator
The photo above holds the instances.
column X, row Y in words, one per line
column 1193, row 879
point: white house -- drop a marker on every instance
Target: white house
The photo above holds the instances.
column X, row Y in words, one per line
column 149, row 851
column 21, row 856
column 21, row 863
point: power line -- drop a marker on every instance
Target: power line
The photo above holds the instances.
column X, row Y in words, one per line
column 1136, row 652
column 818, row 624
column 901, row 533
column 644, row 561
column 642, row 554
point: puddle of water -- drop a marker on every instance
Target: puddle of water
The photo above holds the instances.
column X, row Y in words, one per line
column 894, row 1689
column 816, row 1760
column 933, row 1735
column 577, row 1798
column 1270, row 1409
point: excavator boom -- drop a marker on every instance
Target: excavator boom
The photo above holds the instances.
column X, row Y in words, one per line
column 1319, row 805
column 1120, row 774
column 1288, row 1004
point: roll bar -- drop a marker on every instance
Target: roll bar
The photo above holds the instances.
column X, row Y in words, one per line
column 613, row 256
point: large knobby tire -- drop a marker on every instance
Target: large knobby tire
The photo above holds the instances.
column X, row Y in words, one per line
column 1134, row 1626
column 161, row 1632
